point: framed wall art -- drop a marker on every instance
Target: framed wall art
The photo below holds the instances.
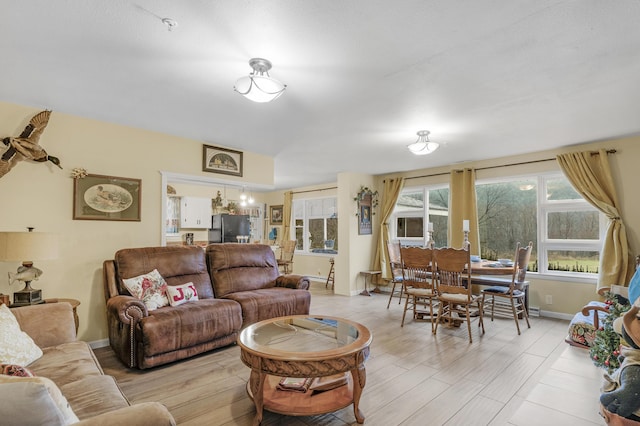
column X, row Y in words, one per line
column 275, row 215
column 367, row 202
column 221, row 160
column 98, row 197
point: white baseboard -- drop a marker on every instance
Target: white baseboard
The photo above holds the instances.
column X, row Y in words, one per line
column 557, row 315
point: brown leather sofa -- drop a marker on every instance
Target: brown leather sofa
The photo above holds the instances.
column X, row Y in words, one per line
column 247, row 287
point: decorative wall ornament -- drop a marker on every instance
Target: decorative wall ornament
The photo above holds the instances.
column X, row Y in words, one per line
column 98, row 197
column 79, row 173
column 367, row 202
column 221, row 160
column 25, row 146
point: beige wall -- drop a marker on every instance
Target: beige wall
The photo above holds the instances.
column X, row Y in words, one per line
column 568, row 296
column 41, row 195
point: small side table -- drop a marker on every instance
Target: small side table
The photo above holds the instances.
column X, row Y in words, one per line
column 368, row 276
column 74, row 304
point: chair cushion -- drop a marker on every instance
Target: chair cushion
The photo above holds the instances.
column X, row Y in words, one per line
column 419, row 292
column 455, row 298
column 503, row 290
column 581, row 329
column 177, row 327
column 241, row 267
column 258, row 305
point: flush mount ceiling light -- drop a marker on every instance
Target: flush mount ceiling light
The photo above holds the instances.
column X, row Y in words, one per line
column 423, row 145
column 259, row 86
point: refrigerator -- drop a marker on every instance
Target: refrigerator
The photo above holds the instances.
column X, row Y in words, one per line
column 226, row 227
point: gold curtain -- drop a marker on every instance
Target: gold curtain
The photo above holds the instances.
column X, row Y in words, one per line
column 286, row 216
column 390, row 194
column 462, row 206
column 590, row 175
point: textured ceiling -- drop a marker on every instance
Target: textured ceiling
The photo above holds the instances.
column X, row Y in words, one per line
column 487, row 78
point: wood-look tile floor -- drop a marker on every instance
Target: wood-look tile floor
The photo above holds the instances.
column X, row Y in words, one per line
column 413, row 377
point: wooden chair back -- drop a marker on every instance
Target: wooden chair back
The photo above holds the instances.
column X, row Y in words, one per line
column 395, row 260
column 287, row 249
column 520, row 265
column 452, row 271
column 416, row 263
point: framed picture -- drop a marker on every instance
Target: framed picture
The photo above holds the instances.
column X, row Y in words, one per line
column 98, row 197
column 364, row 215
column 221, row 160
column 275, row 215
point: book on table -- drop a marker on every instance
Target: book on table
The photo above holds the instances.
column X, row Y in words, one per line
column 318, row 384
column 295, row 384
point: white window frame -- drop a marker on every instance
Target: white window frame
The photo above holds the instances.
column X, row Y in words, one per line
column 543, row 208
column 546, row 244
column 306, row 217
column 423, row 213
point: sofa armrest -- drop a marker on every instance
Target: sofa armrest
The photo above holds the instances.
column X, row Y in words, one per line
column 127, row 309
column 143, row 414
column 48, row 324
column 591, row 311
column 300, row 282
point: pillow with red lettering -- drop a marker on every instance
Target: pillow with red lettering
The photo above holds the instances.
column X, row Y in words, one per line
column 180, row 294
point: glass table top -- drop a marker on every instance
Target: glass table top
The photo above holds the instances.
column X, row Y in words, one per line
column 300, row 334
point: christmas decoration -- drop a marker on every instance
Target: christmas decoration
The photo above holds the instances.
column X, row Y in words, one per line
column 606, row 346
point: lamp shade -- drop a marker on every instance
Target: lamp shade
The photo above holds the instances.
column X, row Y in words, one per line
column 423, row 145
column 259, row 86
column 28, row 246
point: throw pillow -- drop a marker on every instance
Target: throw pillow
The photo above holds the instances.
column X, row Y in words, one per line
column 151, row 288
column 28, row 399
column 180, row 294
column 16, row 347
column 15, row 370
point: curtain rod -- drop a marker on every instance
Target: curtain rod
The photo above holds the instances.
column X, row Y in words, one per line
column 315, row 190
column 609, row 151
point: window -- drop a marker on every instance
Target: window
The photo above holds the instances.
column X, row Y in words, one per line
column 566, row 231
column 410, row 216
column 315, row 222
column 564, row 228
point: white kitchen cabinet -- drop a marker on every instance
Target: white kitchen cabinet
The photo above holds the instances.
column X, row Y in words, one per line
column 195, row 213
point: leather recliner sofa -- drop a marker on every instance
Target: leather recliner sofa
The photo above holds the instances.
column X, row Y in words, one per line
column 237, row 284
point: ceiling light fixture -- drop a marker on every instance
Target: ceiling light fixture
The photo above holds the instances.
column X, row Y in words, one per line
column 423, row 145
column 259, row 86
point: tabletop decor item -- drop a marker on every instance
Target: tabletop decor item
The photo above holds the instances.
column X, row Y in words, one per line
column 26, row 247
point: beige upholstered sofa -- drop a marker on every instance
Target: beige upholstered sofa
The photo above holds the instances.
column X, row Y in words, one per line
column 236, row 284
column 93, row 397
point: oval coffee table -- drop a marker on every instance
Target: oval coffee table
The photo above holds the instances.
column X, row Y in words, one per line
column 304, row 346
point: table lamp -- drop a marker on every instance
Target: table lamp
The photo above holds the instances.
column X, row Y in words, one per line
column 18, row 246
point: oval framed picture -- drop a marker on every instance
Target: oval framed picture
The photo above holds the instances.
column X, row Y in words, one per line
column 100, row 197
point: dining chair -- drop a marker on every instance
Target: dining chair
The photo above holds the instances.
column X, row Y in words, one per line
column 452, row 278
column 285, row 261
column 395, row 265
column 417, row 281
column 513, row 297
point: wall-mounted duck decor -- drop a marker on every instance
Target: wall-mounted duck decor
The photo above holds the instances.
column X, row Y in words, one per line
column 25, row 146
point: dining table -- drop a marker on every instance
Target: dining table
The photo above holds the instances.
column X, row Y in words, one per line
column 490, row 267
column 491, row 273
